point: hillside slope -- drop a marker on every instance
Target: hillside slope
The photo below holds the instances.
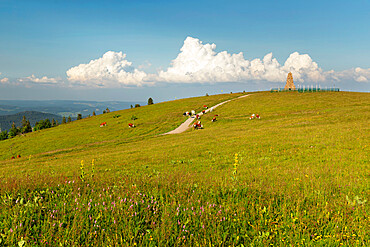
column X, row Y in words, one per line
column 296, row 177
column 151, row 120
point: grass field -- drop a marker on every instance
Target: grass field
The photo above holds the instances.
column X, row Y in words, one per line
column 297, row 176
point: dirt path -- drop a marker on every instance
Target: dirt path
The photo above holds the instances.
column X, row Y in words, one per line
column 187, row 124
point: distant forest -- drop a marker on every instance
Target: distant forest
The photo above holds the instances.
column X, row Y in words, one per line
column 6, row 121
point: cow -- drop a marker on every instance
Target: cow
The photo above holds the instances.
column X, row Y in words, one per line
column 257, row 116
column 13, row 157
column 18, row 156
column 198, row 125
column 131, row 125
column 192, row 112
column 214, row 119
column 103, row 124
column 204, row 111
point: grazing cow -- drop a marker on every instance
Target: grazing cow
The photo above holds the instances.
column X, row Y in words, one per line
column 192, row 112
column 13, row 157
column 204, row 111
column 206, row 107
column 198, row 125
column 214, row 119
column 184, row 114
column 103, row 124
column 197, row 116
column 257, row 116
column 130, row 125
column 187, row 113
column 18, row 156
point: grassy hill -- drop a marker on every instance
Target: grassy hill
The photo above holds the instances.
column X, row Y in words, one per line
column 297, row 176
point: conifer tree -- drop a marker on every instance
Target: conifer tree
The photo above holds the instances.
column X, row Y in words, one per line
column 150, row 101
column 69, row 119
column 79, row 116
column 64, row 120
column 3, row 135
column 13, row 131
column 53, row 124
column 27, row 128
column 94, row 113
column 24, row 122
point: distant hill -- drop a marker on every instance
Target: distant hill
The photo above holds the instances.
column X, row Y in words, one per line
column 63, row 107
column 6, row 121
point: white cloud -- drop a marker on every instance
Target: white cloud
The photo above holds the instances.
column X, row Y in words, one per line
column 111, row 70
column 198, row 62
column 41, row 80
column 4, row 80
column 357, row 74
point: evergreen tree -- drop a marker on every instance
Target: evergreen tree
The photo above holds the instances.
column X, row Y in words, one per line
column 13, row 131
column 53, row 124
column 137, row 105
column 79, row 116
column 64, row 120
column 24, row 122
column 56, row 122
column 107, row 110
column 43, row 124
column 104, row 112
column 94, row 113
column 27, row 128
column 69, row 119
column 150, row 101
column 3, row 135
column 132, row 107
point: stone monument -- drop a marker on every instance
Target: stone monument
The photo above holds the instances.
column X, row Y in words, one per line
column 289, row 82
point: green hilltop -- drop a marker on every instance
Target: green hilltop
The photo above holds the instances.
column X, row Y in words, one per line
column 297, row 176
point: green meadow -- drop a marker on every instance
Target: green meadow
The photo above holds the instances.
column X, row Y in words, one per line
column 299, row 176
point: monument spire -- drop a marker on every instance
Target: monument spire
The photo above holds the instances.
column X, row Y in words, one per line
column 289, row 82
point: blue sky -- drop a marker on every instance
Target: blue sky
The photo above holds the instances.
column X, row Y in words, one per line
column 47, row 38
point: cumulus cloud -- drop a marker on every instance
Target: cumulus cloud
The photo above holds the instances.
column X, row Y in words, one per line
column 357, row 74
column 41, row 80
column 198, row 62
column 111, row 70
column 4, row 80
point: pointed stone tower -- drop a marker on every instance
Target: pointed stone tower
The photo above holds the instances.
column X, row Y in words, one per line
column 289, row 82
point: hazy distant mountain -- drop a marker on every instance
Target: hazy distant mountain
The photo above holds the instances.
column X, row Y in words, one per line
column 6, row 121
column 62, row 107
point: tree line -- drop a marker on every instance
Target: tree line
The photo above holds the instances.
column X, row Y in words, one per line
column 45, row 124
